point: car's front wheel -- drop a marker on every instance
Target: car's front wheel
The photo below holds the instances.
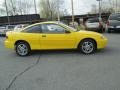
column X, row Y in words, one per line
column 22, row 48
column 87, row 46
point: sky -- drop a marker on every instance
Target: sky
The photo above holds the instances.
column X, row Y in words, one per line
column 80, row 6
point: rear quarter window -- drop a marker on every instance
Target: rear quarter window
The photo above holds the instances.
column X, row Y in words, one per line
column 33, row 29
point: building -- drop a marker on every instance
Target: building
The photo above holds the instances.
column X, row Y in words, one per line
column 68, row 19
column 20, row 19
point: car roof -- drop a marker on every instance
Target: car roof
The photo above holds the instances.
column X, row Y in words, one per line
column 49, row 22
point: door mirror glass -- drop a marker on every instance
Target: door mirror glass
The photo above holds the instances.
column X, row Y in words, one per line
column 66, row 31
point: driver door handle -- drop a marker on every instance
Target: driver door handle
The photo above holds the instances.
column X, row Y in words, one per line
column 43, row 35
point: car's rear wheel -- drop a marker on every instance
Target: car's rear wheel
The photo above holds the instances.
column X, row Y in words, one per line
column 22, row 48
column 87, row 46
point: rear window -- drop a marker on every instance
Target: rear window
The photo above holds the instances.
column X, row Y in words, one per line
column 92, row 20
column 115, row 17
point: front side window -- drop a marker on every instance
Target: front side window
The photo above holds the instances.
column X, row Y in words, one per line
column 52, row 28
column 33, row 29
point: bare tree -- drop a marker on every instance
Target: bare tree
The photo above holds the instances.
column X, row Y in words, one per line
column 24, row 7
column 2, row 11
column 51, row 9
column 17, row 7
column 94, row 9
column 108, row 6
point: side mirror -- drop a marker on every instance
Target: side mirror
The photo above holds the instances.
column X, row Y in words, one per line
column 66, row 31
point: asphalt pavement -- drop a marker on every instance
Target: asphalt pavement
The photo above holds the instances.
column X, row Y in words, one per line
column 62, row 70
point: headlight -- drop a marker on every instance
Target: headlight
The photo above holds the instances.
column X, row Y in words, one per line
column 102, row 37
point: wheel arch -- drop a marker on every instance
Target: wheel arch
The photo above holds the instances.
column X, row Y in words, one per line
column 18, row 41
column 87, row 39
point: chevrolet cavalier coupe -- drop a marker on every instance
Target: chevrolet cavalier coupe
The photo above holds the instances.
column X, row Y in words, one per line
column 51, row 36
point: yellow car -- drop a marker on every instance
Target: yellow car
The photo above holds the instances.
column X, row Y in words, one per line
column 53, row 35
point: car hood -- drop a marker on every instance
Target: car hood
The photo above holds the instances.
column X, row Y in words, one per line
column 89, row 33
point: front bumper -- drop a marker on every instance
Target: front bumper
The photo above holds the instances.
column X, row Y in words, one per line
column 102, row 43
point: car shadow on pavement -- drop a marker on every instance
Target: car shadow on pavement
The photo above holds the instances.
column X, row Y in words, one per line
column 54, row 52
column 106, row 51
column 109, row 51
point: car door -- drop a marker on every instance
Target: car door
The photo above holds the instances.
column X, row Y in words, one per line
column 32, row 35
column 54, row 36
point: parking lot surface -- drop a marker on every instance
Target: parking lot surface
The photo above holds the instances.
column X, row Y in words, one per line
column 62, row 70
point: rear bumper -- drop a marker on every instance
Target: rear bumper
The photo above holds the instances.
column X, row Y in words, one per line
column 9, row 44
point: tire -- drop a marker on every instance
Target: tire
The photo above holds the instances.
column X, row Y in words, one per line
column 22, row 49
column 87, row 46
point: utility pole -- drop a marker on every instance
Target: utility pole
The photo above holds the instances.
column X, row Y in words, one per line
column 72, row 12
column 58, row 12
column 100, row 3
column 7, row 12
column 35, row 6
column 116, row 7
column 58, row 15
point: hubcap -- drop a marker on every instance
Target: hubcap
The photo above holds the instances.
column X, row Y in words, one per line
column 22, row 49
column 87, row 47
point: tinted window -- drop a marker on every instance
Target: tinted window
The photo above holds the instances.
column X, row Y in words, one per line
column 92, row 20
column 52, row 28
column 115, row 17
column 33, row 29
